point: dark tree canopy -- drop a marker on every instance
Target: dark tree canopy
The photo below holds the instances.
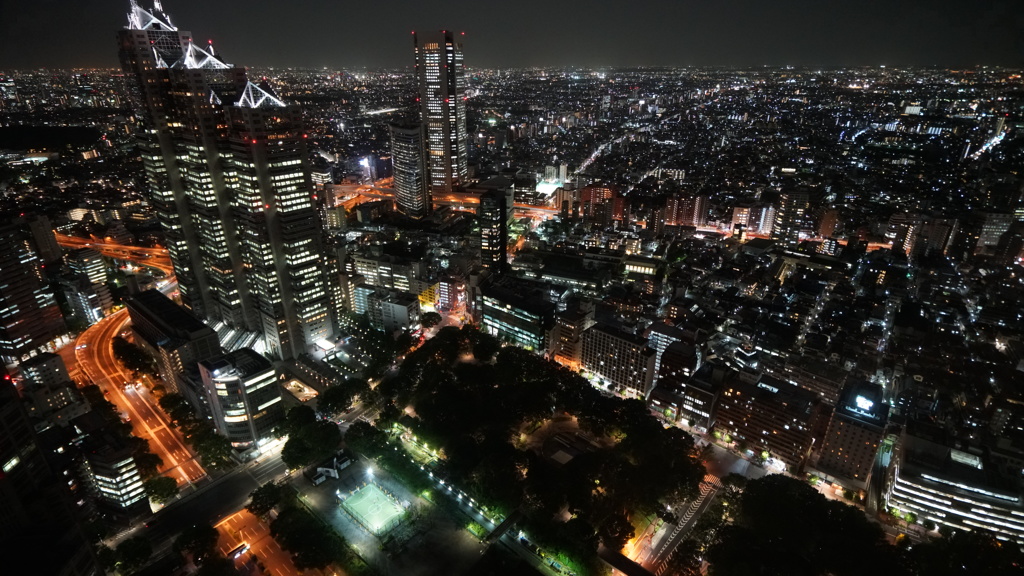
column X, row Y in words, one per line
column 133, row 553
column 161, row 489
column 965, row 553
column 199, row 542
column 214, row 449
column 430, row 319
column 309, row 440
column 474, row 400
column 339, row 397
column 311, row 544
column 785, row 527
column 265, row 498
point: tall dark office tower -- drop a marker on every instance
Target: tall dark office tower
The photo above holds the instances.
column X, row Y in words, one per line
column 38, row 524
column 494, row 213
column 409, row 163
column 441, row 77
column 230, row 180
column 30, row 317
column 43, row 238
column 790, row 218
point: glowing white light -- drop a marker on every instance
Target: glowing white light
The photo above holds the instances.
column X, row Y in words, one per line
column 863, row 403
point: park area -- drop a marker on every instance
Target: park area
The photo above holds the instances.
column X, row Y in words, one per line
column 374, row 508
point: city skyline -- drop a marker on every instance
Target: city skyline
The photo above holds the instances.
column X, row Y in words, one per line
column 522, row 321
column 741, row 33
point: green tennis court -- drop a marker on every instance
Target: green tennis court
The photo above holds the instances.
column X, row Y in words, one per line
column 372, row 508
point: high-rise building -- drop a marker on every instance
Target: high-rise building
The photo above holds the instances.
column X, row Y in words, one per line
column 44, row 239
column 243, row 395
column 37, row 517
column 230, row 181
column 933, row 478
column 387, row 310
column 88, row 302
column 622, row 360
column 176, row 338
column 31, row 318
column 790, row 218
column 769, row 415
column 685, row 395
column 495, row 211
column 88, row 263
column 518, row 311
column 662, row 335
column 567, row 344
column 441, row 78
column 409, row 166
column 686, row 210
column 46, row 369
column 854, row 434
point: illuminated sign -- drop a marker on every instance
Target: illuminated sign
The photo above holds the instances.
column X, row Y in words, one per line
column 864, row 404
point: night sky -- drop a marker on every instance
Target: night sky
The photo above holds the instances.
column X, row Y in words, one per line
column 353, row 34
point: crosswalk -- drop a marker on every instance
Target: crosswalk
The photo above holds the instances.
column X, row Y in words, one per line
column 708, row 487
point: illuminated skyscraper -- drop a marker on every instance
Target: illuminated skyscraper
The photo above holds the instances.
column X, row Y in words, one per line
column 409, row 161
column 494, row 213
column 30, row 318
column 230, row 180
column 790, row 218
column 441, row 78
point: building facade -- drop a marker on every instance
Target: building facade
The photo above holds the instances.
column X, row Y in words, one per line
column 441, row 79
column 854, row 434
column 790, row 218
column 110, row 469
column 517, row 312
column 623, row 361
column 35, row 503
column 172, row 334
column 229, row 179
column 243, row 395
column 30, row 318
column 494, row 213
column 952, row 487
column 409, row 167
column 769, row 415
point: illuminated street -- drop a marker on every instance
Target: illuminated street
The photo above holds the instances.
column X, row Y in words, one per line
column 94, row 357
column 244, row 528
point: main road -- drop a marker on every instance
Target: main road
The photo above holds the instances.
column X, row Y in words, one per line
column 138, row 254
column 94, row 358
column 95, row 355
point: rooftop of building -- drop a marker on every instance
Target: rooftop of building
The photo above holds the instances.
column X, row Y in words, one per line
column 927, row 453
column 161, row 310
column 521, row 293
column 241, row 363
column 864, row 402
column 621, row 334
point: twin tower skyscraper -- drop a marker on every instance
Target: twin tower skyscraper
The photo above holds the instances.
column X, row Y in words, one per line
column 229, row 178
column 429, row 157
column 227, row 166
